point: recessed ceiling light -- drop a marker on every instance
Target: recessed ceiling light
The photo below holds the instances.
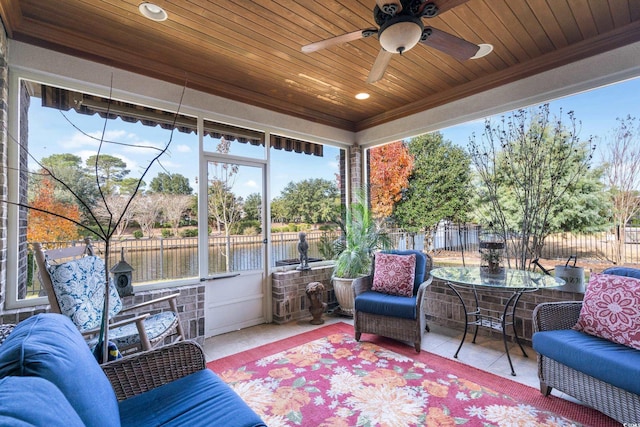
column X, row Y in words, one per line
column 485, row 49
column 362, row 95
column 153, row 12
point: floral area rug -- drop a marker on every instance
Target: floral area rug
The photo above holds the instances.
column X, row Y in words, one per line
column 325, row 378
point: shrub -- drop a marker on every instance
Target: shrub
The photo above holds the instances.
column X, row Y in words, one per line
column 190, row 232
column 166, row 233
column 138, row 234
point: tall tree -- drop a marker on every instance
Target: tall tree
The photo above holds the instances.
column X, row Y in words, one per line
column 278, row 210
column 313, row 200
column 225, row 208
column 68, row 168
column 528, row 164
column 389, row 170
column 127, row 186
column 621, row 159
column 438, row 186
column 44, row 227
column 252, row 206
column 170, row 183
column 108, row 169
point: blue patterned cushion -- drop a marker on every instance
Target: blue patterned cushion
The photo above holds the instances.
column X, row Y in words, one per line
column 79, row 287
column 127, row 335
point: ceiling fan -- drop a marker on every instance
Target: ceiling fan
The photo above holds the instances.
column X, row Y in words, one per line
column 401, row 28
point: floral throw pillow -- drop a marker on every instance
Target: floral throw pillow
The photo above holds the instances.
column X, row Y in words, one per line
column 79, row 287
column 394, row 274
column 610, row 309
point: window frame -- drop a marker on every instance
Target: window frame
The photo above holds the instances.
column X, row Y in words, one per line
column 17, row 74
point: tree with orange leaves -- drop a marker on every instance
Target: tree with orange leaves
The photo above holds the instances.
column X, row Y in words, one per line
column 389, row 170
column 44, row 227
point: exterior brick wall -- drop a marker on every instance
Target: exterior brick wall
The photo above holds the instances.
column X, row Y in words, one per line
column 355, row 167
column 3, row 163
column 290, row 301
column 443, row 307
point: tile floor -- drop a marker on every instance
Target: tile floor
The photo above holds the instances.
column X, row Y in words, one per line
column 487, row 353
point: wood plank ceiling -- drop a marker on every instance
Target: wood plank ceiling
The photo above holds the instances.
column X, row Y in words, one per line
column 250, row 51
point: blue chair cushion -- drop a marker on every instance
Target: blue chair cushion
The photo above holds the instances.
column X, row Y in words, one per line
column 49, row 346
column 33, row 401
column 421, row 265
column 607, row 361
column 623, row 271
column 199, row 399
column 127, row 335
column 386, row 305
column 79, row 288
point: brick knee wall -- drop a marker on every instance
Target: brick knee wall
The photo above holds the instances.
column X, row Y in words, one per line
column 190, row 309
column 443, row 307
column 290, row 301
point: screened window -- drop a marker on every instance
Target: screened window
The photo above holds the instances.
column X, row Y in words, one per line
column 83, row 157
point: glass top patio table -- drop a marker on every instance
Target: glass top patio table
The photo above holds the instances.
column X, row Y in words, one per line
column 509, row 279
column 516, row 282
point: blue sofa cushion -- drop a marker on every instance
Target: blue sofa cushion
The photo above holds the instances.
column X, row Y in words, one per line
column 49, row 346
column 607, row 361
column 421, row 265
column 623, row 271
column 33, row 401
column 199, row 399
column 386, row 305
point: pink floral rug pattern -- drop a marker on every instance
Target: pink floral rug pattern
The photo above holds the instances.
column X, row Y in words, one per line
column 339, row 382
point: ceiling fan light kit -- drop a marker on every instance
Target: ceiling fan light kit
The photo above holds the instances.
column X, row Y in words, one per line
column 401, row 28
column 400, row 33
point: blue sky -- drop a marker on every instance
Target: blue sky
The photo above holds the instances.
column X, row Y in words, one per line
column 597, row 109
column 51, row 133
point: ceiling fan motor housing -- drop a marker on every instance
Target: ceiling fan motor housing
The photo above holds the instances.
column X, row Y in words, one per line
column 400, row 33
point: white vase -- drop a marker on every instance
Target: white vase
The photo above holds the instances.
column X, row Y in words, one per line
column 344, row 294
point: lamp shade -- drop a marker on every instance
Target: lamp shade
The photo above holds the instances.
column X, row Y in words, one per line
column 401, row 35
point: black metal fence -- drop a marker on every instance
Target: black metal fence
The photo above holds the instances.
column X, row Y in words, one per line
column 175, row 258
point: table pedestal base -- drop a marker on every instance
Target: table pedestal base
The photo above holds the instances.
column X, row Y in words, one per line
column 491, row 318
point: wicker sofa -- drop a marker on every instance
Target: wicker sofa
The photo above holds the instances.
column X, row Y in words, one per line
column 48, row 376
column 598, row 372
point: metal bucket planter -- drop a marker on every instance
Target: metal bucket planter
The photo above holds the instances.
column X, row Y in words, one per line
column 572, row 275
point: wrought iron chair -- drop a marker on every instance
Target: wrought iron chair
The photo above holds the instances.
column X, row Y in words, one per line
column 74, row 279
column 393, row 316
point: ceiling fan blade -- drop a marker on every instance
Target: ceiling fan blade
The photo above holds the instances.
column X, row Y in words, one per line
column 379, row 66
column 345, row 38
column 384, row 6
column 444, row 5
column 450, row 44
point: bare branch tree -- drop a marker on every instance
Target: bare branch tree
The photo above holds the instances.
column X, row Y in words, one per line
column 115, row 204
column 622, row 177
column 146, row 212
column 174, row 207
column 526, row 164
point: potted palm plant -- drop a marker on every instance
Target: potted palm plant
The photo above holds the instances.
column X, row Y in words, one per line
column 361, row 237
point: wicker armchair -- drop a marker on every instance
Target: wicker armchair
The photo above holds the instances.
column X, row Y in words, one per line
column 145, row 371
column 606, row 398
column 151, row 327
column 399, row 328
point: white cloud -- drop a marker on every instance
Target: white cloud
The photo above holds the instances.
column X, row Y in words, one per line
column 183, row 148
